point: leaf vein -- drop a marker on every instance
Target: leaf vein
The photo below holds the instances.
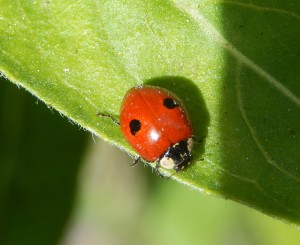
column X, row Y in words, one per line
column 251, row 129
column 263, row 8
column 253, row 182
column 214, row 34
column 257, row 185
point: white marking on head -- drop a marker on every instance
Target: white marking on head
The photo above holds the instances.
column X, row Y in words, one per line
column 190, row 143
column 167, row 163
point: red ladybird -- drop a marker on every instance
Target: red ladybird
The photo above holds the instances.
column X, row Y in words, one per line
column 155, row 123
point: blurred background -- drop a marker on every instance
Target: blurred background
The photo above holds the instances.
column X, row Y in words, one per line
column 60, row 185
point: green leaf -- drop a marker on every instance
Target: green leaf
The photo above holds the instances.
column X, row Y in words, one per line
column 234, row 64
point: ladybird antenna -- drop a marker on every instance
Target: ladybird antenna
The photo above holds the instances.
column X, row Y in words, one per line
column 108, row 116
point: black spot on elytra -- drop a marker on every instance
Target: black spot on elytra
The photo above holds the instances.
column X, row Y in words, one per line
column 135, row 126
column 170, row 103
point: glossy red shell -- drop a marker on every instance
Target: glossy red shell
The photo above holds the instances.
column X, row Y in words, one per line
column 160, row 126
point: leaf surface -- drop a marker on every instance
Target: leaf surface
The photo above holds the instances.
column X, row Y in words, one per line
column 235, row 65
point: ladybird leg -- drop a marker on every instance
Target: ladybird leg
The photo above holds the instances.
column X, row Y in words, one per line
column 199, row 140
column 158, row 172
column 135, row 162
column 108, row 116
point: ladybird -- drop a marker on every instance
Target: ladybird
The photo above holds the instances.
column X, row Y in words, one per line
column 155, row 123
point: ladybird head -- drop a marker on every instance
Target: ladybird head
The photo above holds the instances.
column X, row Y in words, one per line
column 178, row 156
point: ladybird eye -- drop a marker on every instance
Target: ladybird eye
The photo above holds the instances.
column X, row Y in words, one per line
column 170, row 103
column 135, row 126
